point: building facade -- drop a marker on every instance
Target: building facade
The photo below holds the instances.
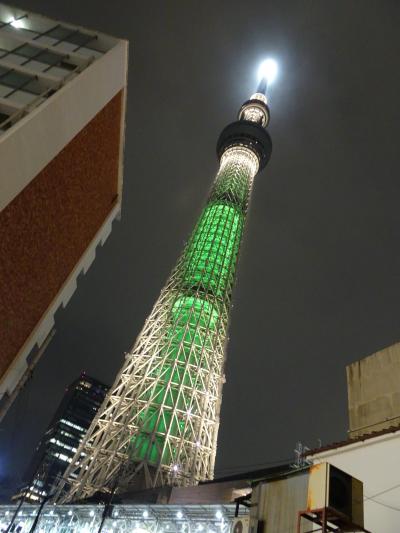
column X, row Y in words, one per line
column 58, row 445
column 374, row 392
column 374, row 460
column 372, row 450
column 62, row 108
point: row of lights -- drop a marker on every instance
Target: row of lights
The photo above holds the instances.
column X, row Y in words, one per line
column 179, row 514
column 86, row 529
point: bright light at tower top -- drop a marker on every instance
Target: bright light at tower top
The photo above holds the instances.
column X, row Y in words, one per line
column 268, row 71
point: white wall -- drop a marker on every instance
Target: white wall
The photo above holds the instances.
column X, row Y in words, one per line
column 34, row 141
column 376, row 462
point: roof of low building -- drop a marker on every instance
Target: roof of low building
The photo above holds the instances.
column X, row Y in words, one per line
column 353, row 440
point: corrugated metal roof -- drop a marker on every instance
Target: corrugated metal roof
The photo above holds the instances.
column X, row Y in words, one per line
column 348, row 442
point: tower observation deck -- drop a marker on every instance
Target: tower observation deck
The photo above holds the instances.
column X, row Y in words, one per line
column 159, row 423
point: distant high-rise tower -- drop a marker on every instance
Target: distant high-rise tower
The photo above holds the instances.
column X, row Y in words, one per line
column 58, row 445
column 159, row 423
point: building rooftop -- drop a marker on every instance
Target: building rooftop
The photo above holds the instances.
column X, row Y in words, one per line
column 355, row 440
column 38, row 56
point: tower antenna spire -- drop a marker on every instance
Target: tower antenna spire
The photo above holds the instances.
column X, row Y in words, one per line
column 267, row 72
column 262, row 86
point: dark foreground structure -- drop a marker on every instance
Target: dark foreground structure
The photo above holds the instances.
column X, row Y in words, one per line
column 279, row 499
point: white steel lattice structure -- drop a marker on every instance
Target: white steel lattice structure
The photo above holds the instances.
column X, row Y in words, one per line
column 159, row 423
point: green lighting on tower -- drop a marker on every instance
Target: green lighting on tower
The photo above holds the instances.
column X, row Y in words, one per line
column 159, row 423
column 196, row 317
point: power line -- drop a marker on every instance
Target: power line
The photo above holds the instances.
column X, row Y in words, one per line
column 384, row 504
column 372, row 498
column 381, row 492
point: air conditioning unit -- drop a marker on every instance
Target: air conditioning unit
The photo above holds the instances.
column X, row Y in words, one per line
column 241, row 524
column 329, row 487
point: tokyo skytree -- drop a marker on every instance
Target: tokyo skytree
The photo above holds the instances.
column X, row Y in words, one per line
column 159, row 423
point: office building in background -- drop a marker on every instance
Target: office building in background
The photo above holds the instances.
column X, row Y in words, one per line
column 62, row 107
column 56, row 449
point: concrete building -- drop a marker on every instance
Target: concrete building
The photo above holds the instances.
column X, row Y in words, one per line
column 300, row 500
column 375, row 460
column 373, row 387
column 62, row 107
column 60, row 441
column 372, row 452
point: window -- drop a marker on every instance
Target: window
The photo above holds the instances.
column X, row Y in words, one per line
column 19, row 80
column 67, row 66
column 59, row 33
column 3, row 70
column 21, row 97
column 27, row 50
column 79, row 38
column 49, row 58
column 44, row 56
column 15, row 79
column 3, row 118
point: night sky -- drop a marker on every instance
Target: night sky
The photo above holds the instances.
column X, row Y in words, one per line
column 318, row 280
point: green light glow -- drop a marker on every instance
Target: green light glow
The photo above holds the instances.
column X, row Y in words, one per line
column 213, row 246
column 193, row 326
column 185, row 338
column 159, row 423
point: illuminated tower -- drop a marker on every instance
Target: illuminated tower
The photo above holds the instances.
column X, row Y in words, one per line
column 159, row 423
